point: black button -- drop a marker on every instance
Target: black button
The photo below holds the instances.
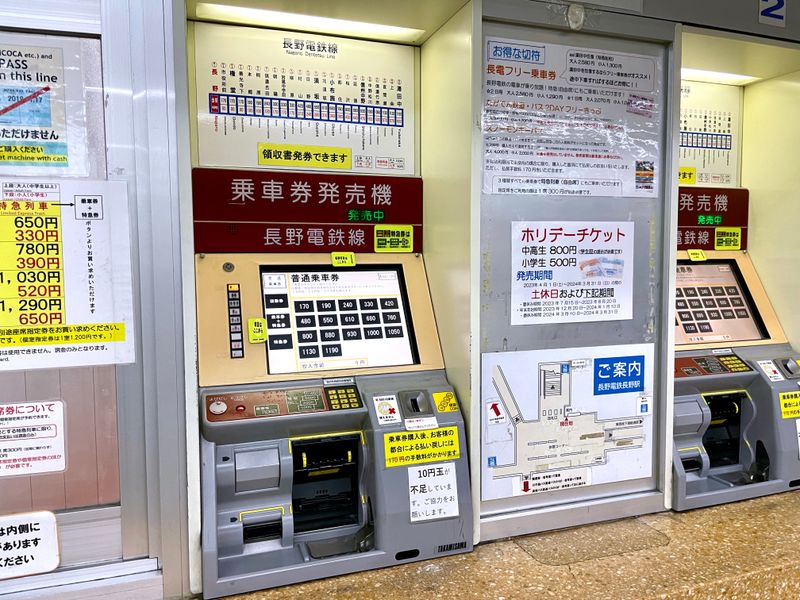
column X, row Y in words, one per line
column 393, row 332
column 699, row 315
column 741, row 313
column 326, row 305
column 690, row 328
column 368, row 304
column 736, row 301
column 732, row 290
column 277, row 321
column 370, row 318
column 328, row 320
column 714, row 314
column 718, row 290
column 350, row 319
column 351, row 334
column 709, row 303
column 387, row 303
column 723, row 302
column 704, row 292
column 685, row 316
column 690, row 292
column 280, row 342
column 276, row 301
column 681, row 305
column 695, row 303
column 371, row 333
column 306, row 321
column 303, row 306
column 348, row 305
column 309, row 351
column 728, row 314
column 678, row 293
column 391, row 317
column 329, row 335
column 704, row 327
column 306, row 337
column 331, row 350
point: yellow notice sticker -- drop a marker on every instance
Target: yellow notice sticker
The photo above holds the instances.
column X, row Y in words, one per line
column 790, row 404
column 62, row 334
column 687, row 175
column 445, row 401
column 696, row 255
column 394, row 238
column 298, row 155
column 257, row 330
column 343, row 259
column 417, row 447
column 728, row 238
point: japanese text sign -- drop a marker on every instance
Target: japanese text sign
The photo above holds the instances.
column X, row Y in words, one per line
column 432, row 492
column 28, row 544
column 712, row 218
column 616, row 375
column 32, row 438
column 282, row 211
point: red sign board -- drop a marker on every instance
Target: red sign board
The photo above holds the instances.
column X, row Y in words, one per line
column 287, row 211
column 701, row 210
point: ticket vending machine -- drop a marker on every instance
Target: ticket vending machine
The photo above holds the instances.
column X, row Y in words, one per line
column 331, row 439
column 735, row 430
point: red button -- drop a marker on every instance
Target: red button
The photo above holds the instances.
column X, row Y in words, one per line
column 241, row 408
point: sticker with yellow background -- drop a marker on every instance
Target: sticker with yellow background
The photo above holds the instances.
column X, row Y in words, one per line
column 302, row 156
column 417, row 447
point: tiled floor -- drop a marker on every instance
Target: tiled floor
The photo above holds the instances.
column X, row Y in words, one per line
column 745, row 550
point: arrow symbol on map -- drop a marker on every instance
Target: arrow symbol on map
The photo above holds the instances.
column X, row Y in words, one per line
column 22, row 101
column 495, row 408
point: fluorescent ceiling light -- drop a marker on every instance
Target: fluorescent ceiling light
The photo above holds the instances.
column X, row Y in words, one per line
column 716, row 77
column 312, row 24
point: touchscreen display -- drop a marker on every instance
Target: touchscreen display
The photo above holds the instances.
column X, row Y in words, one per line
column 712, row 304
column 321, row 319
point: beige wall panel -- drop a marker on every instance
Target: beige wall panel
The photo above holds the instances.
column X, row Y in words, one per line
column 47, row 491
column 77, row 390
column 105, row 411
column 15, row 492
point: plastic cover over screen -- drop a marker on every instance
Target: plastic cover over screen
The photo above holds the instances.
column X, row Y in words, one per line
column 713, row 304
column 321, row 319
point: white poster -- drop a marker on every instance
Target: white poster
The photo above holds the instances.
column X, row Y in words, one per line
column 432, row 492
column 569, row 272
column 268, row 98
column 710, row 136
column 42, row 106
column 32, row 438
column 28, row 544
column 559, row 120
column 575, row 417
column 65, row 274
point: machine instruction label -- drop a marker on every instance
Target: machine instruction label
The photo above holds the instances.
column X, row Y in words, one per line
column 417, row 447
column 445, row 401
column 770, row 370
column 790, row 404
column 386, row 409
column 28, row 544
column 560, row 120
column 584, row 417
column 567, row 272
column 432, row 492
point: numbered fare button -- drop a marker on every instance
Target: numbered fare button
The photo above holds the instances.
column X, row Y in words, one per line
column 329, row 335
column 329, row 350
column 307, row 337
column 326, row 306
column 391, row 317
column 302, row 306
column 280, row 342
column 308, row 351
column 328, row 320
column 368, row 304
column 277, row 321
column 370, row 318
column 394, row 332
column 389, row 303
column 351, row 334
column 372, row 333
column 350, row 319
column 348, row 305
column 306, row 321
